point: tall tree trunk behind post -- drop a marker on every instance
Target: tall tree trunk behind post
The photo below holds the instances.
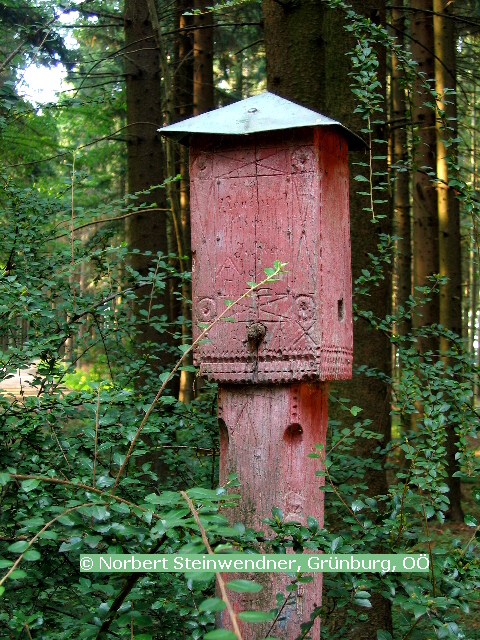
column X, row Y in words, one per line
column 401, row 198
column 474, row 255
column 203, row 94
column 473, row 299
column 425, row 209
column 294, row 37
column 183, row 93
column 145, row 163
column 450, row 255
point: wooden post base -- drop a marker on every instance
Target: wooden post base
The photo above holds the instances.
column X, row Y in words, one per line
column 266, row 433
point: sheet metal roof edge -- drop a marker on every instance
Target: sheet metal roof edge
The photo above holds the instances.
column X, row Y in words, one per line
column 264, row 112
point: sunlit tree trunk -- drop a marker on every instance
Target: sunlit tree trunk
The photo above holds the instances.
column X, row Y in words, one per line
column 425, row 206
column 450, row 255
column 183, row 97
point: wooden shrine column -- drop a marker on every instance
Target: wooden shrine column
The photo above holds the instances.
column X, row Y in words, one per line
column 269, row 181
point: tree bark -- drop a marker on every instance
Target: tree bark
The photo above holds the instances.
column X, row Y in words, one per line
column 295, row 35
column 401, row 195
column 183, row 94
column 145, row 161
column 450, row 255
column 425, row 206
column 203, row 93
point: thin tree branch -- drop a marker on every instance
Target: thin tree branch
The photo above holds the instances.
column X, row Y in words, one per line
column 126, row 215
column 35, row 537
column 80, row 485
column 91, row 309
column 91, row 26
column 16, row 51
column 104, row 345
column 221, row 582
column 128, row 586
column 456, row 17
column 432, row 53
column 83, row 146
column 252, row 44
column 97, row 425
column 203, row 334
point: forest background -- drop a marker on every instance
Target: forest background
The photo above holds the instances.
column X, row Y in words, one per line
column 99, row 440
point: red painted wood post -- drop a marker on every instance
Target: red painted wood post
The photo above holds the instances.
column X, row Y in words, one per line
column 280, row 192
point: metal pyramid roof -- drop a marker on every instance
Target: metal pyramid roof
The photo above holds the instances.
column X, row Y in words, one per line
column 264, row 112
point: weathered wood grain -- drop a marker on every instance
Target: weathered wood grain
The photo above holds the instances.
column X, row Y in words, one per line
column 266, row 197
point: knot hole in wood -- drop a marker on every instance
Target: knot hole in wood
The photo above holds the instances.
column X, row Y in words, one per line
column 256, row 333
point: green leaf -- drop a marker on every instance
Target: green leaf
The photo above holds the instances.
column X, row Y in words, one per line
column 363, row 602
column 419, row 610
column 29, row 485
column 18, row 547
column 199, row 576
column 429, row 511
column 220, row 634
column 211, row 495
column 18, row 574
column 244, row 586
column 228, row 319
column 229, row 302
column 66, row 521
column 174, row 518
column 355, row 410
column 383, row 635
column 252, row 284
column 360, row 178
column 32, row 555
column 269, row 272
column 225, row 532
column 4, row 479
column 48, row 535
column 255, row 616
column 357, row 505
column 165, row 498
column 470, row 521
column 212, row 604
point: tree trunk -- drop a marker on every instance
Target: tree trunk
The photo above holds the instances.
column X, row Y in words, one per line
column 145, row 163
column 203, row 94
column 401, row 196
column 295, row 35
column 450, row 255
column 425, row 209
column 183, row 93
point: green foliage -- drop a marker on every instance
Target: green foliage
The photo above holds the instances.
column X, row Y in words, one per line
column 64, row 438
column 74, row 441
